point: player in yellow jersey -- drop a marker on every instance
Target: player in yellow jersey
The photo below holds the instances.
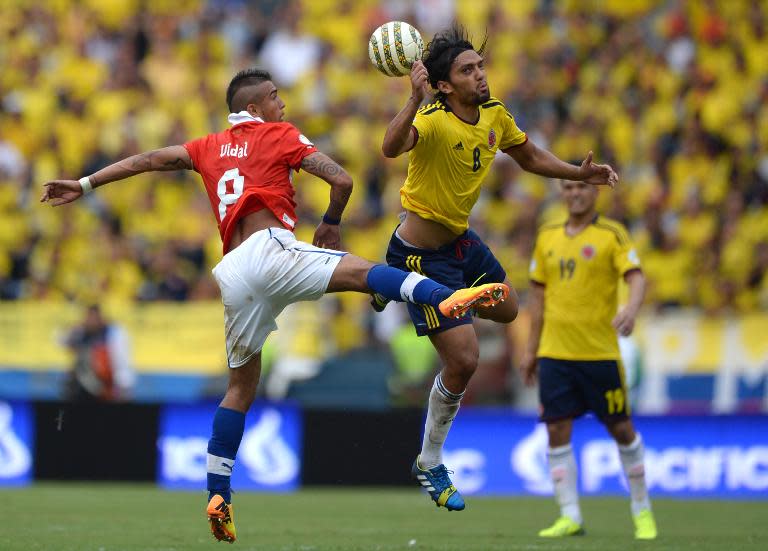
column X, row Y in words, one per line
column 451, row 144
column 573, row 345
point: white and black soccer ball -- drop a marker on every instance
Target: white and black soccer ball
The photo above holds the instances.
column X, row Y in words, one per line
column 394, row 47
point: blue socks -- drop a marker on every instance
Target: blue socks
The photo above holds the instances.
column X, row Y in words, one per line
column 403, row 286
column 228, row 427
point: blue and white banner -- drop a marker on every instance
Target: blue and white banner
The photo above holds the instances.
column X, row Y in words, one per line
column 496, row 452
column 269, row 457
column 16, row 441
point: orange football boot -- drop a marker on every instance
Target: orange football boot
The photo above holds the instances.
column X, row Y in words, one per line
column 220, row 516
column 463, row 300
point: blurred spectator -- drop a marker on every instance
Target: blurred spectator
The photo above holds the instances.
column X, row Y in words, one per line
column 12, row 163
column 102, row 365
column 288, row 53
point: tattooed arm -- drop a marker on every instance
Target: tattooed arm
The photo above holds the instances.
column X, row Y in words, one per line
column 175, row 157
column 327, row 233
column 326, row 168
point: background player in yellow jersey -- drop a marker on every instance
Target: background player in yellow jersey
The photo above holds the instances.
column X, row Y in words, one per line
column 573, row 344
column 451, row 145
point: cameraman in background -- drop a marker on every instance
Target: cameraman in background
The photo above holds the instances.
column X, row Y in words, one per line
column 101, row 369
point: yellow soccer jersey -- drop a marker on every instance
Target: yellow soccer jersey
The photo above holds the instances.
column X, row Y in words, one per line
column 581, row 274
column 451, row 158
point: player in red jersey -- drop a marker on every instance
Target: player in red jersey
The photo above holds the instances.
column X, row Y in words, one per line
column 247, row 175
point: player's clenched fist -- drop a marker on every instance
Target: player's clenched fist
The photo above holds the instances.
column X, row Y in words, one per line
column 327, row 237
column 60, row 192
column 419, row 80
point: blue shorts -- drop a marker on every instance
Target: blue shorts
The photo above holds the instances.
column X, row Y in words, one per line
column 570, row 388
column 462, row 263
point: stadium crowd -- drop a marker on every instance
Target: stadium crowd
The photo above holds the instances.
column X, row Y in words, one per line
column 673, row 94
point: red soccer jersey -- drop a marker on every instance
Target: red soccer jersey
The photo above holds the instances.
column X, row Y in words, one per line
column 247, row 168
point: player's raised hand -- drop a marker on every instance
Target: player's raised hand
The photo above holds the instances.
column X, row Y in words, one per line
column 61, row 192
column 327, row 236
column 529, row 367
column 419, row 81
column 598, row 175
column 624, row 322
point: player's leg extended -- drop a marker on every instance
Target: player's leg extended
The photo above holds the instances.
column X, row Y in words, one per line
column 228, row 426
column 632, row 452
column 458, row 351
column 562, row 471
column 356, row 274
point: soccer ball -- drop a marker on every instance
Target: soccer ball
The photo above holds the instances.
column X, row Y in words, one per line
column 394, row 47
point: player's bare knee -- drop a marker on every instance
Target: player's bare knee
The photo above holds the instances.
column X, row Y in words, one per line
column 622, row 431
column 515, row 302
column 505, row 312
column 351, row 274
column 462, row 365
column 559, row 432
column 511, row 310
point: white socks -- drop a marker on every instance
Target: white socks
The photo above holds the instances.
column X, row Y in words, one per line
column 562, row 470
column 443, row 406
column 632, row 459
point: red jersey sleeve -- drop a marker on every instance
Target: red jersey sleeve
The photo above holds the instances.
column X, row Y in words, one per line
column 194, row 149
column 295, row 146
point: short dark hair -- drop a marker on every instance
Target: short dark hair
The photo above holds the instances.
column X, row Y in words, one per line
column 443, row 49
column 246, row 77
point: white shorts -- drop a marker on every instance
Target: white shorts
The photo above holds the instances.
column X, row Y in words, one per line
column 258, row 279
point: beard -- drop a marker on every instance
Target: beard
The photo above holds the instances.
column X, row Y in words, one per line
column 479, row 98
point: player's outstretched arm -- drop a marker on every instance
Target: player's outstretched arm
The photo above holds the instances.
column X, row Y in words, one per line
column 529, row 363
column 321, row 165
column 60, row 192
column 399, row 137
column 540, row 161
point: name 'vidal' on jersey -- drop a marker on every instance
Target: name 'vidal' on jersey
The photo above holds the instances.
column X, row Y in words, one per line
column 247, row 168
column 230, row 150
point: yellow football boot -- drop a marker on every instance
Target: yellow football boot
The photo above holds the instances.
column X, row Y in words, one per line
column 645, row 525
column 562, row 527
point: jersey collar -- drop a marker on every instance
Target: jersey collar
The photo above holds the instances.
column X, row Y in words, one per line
column 449, row 110
column 241, row 117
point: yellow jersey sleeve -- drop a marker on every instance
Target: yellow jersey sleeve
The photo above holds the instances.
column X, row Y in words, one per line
column 425, row 126
column 538, row 268
column 625, row 257
column 511, row 134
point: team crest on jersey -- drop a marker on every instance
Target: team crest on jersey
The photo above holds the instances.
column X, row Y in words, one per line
column 588, row 252
column 491, row 139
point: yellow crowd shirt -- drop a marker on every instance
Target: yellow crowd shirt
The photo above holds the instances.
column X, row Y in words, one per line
column 581, row 276
column 451, row 158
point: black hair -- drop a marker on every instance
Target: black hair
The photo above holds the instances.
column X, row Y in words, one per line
column 443, row 49
column 246, row 77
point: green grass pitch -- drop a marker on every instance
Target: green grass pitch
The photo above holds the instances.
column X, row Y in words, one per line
column 114, row 517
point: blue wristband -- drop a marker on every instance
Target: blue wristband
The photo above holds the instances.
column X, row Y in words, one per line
column 331, row 221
